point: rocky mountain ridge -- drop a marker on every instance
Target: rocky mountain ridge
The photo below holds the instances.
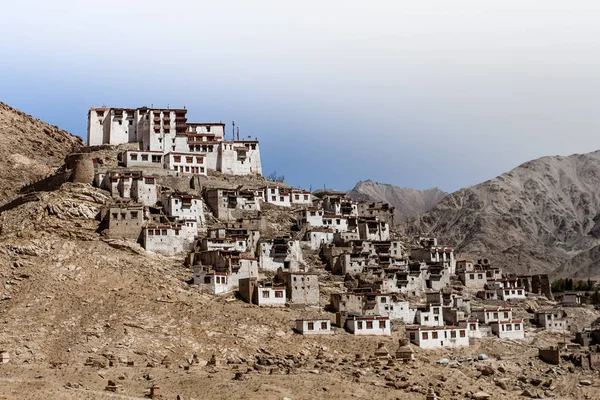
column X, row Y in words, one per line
column 407, row 202
column 30, row 149
column 543, row 216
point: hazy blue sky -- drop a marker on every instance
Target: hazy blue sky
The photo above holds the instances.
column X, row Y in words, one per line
column 413, row 93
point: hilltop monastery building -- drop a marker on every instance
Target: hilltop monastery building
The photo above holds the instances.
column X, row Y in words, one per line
column 166, row 139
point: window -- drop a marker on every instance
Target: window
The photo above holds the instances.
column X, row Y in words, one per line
column 436, row 318
column 144, row 157
column 452, row 334
column 265, row 294
column 381, row 324
column 382, row 299
column 163, row 232
column 279, row 293
column 199, row 160
column 134, row 157
column 359, row 325
column 472, row 276
column 473, row 327
column 177, row 232
column 273, row 198
column 479, row 276
column 115, row 216
column 495, row 315
column 150, row 232
column 412, row 336
column 280, row 198
column 134, row 215
column 434, row 335
column 425, row 336
column 189, row 160
column 506, row 315
column 426, row 318
column 509, row 327
column 208, row 128
column 123, row 216
column 520, row 291
column 517, row 327
column 305, row 197
column 436, row 310
column 323, row 325
column 369, row 324
column 462, row 333
column 176, row 158
column 297, row 197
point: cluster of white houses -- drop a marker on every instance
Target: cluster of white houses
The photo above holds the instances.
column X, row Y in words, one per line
column 353, row 239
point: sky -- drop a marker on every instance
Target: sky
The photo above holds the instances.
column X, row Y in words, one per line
column 414, row 93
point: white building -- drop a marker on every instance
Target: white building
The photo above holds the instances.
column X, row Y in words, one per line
column 276, row 196
column 552, row 320
column 508, row 329
column 240, row 157
column 186, row 163
column 369, row 325
column 281, row 252
column 183, row 206
column 374, row 230
column 218, row 279
column 430, row 315
column 492, row 314
column 314, row 326
column 143, row 158
column 170, row 239
column 310, row 216
column 317, row 237
column 301, row 197
column 269, row 295
column 428, row 337
column 472, row 327
column 111, row 126
column 571, row 299
column 336, row 222
column 506, row 289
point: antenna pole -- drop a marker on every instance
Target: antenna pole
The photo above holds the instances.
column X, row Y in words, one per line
column 232, row 130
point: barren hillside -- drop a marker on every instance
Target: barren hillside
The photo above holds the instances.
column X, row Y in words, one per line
column 540, row 216
column 29, row 150
column 407, row 202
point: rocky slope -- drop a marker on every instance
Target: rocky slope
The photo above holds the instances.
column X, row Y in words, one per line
column 407, row 202
column 29, row 150
column 540, row 216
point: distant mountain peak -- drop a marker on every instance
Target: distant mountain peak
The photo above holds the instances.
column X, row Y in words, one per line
column 406, row 201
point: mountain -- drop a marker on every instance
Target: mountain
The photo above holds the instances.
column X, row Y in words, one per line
column 30, row 149
column 543, row 216
column 407, row 202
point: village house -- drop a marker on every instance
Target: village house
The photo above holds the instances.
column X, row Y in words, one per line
column 488, row 315
column 337, row 223
column 183, row 206
column 368, row 325
column 435, row 254
column 240, row 157
column 277, row 196
column 430, row 315
column 472, row 327
column 233, row 235
column 339, row 204
column 374, row 230
column 473, row 279
column 382, row 211
column 569, row 299
column 227, row 243
column 302, row 288
column 350, row 263
column 220, row 271
column 301, row 197
column 314, row 326
column 368, row 303
column 186, row 163
column 311, row 216
column 129, row 185
column 230, row 204
column 317, row 237
column 170, row 239
column 143, row 158
column 433, row 337
column 262, row 293
column 125, row 220
column 552, row 320
column 508, row 329
column 281, row 252
column 505, row 288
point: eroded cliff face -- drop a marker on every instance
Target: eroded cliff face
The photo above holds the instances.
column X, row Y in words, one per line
column 30, row 149
column 540, row 216
column 407, row 202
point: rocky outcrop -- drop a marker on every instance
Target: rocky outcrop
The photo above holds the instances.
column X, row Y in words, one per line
column 30, row 150
column 407, row 202
column 540, row 216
